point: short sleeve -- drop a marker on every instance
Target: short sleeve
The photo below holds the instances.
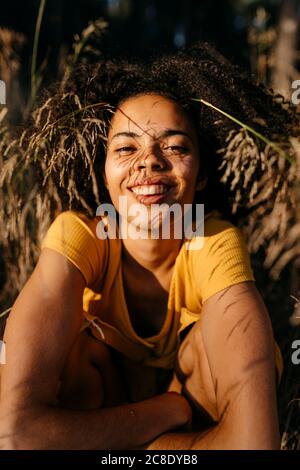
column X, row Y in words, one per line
column 222, row 261
column 74, row 235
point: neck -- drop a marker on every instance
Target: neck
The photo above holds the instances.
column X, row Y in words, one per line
column 154, row 255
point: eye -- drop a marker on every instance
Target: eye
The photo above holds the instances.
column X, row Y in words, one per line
column 126, row 150
column 176, row 149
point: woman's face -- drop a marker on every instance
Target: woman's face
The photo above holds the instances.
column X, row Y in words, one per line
column 152, row 153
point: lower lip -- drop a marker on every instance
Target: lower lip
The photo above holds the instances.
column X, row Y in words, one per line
column 152, row 198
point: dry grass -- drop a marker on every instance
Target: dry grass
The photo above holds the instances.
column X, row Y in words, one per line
column 268, row 185
column 260, row 180
column 51, row 152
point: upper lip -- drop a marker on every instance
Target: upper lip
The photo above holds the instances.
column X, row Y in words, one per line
column 153, row 180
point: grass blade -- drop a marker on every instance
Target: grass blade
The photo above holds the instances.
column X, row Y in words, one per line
column 249, row 129
column 35, row 49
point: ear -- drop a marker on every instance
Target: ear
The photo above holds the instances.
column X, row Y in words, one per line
column 201, row 183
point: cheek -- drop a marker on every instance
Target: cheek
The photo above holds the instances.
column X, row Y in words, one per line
column 188, row 168
column 113, row 174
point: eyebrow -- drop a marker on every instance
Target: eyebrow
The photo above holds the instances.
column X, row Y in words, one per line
column 167, row 133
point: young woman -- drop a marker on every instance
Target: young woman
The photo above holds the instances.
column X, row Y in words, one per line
column 150, row 342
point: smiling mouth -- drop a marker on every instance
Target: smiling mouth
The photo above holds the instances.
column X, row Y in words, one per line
column 151, row 189
column 151, row 193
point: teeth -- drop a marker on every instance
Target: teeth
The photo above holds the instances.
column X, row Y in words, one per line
column 150, row 189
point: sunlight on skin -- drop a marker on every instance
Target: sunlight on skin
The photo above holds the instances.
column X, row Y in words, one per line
column 151, row 136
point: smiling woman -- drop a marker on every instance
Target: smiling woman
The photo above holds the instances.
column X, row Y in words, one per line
column 130, row 338
column 152, row 157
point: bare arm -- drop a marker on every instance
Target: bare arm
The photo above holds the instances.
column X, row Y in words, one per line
column 41, row 329
column 238, row 339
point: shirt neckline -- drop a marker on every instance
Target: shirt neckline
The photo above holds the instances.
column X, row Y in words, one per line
column 149, row 340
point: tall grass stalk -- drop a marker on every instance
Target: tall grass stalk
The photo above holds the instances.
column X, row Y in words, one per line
column 6, row 312
column 249, row 129
column 34, row 77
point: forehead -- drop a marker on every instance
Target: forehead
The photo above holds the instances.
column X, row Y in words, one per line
column 150, row 112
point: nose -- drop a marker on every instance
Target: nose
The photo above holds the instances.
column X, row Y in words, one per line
column 152, row 160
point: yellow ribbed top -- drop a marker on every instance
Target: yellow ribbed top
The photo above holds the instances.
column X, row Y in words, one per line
column 222, row 261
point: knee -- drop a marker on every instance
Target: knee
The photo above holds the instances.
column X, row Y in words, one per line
column 90, row 379
column 87, row 351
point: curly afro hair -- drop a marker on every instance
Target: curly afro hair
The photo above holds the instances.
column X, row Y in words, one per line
column 83, row 109
column 57, row 162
